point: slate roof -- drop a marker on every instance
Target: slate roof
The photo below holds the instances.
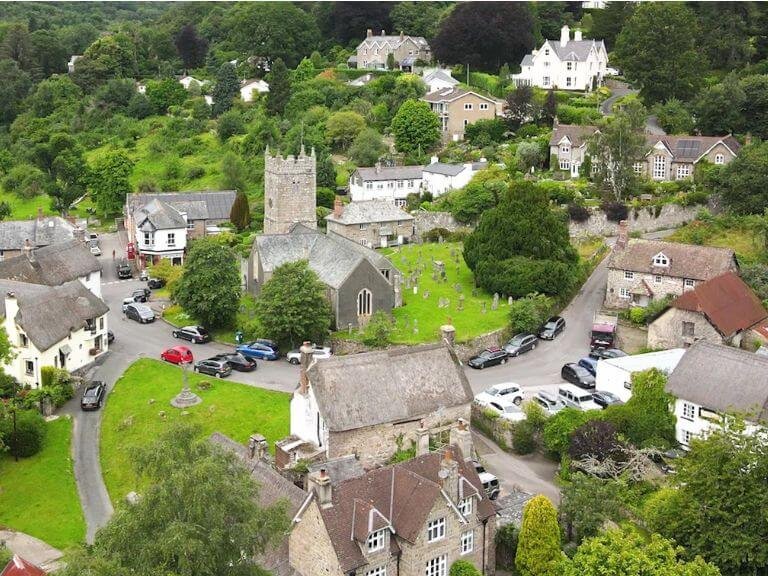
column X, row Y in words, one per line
column 39, row 231
column 578, row 135
column 51, row 265
column 415, row 381
column 727, row 303
column 690, row 148
column 340, row 469
column 527, row 60
column 451, row 94
column 202, row 205
column 380, row 261
column 18, row 566
column 685, row 260
column 373, row 174
column 722, row 378
column 394, row 41
column 368, row 211
column 445, row 169
column 403, row 494
column 442, row 75
column 575, row 49
column 47, row 314
column 158, row 215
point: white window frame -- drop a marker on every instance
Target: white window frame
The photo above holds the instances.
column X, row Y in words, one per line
column 689, row 283
column 657, row 279
column 436, row 529
column 545, row 81
column 378, row 571
column 171, row 239
column 369, row 185
column 624, row 293
column 565, row 164
column 719, row 159
column 546, row 52
column 467, row 106
column 569, row 66
column 638, row 167
column 687, row 437
column 683, row 171
column 484, row 106
column 465, row 506
column 436, row 566
column 689, row 411
column 629, row 275
column 400, row 202
column 147, row 238
column 660, row 260
column 659, row 167
column 376, row 540
column 467, row 542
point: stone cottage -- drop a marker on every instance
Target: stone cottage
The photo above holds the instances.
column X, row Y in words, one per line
column 371, row 223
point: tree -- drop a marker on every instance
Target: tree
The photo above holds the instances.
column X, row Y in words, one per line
column 292, row 306
column 718, row 109
column 610, row 21
column 304, row 71
column 485, row 35
column 664, row 60
column 217, row 527
column 240, row 215
column 343, row 127
column 279, row 87
column 529, row 155
column 14, row 86
column 367, row 148
column 727, row 28
column 463, row 568
column 48, row 52
column 109, row 181
column 596, row 439
column 485, row 132
column 227, row 89
column 416, row 18
column 209, row 289
column 587, row 502
column 192, row 48
column 22, row 431
column 549, row 110
column 230, row 123
column 415, row 127
column 755, row 110
column 674, row 117
column 559, row 429
column 744, row 181
column 110, row 56
column 520, row 107
column 529, row 313
column 625, row 552
column 350, row 20
column 162, row 94
column 378, row 330
column 538, row 546
column 16, row 45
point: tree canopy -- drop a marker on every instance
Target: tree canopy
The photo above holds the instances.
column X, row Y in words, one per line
column 538, row 545
column 415, row 127
column 744, row 181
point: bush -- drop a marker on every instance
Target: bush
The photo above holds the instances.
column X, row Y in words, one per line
column 435, row 234
column 27, row 439
column 463, row 568
column 195, row 172
column 578, row 213
column 506, row 546
column 230, row 123
column 484, row 132
column 523, row 441
column 593, row 438
column 377, row 332
column 557, row 192
column 560, row 427
column 615, row 211
column 637, row 315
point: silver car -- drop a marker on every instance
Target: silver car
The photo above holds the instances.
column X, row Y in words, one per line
column 318, row 353
column 548, row 402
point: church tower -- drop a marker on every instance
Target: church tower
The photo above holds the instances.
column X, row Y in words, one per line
column 289, row 192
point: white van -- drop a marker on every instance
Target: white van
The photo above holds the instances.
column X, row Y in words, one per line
column 575, row 397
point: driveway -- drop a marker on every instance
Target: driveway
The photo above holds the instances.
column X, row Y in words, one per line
column 622, row 89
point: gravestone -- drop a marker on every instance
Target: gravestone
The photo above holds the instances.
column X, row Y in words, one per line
column 426, row 294
column 460, row 305
column 510, row 300
column 483, row 308
column 495, row 302
column 457, row 287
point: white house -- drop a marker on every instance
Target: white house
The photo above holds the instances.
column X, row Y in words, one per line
column 439, row 178
column 379, row 182
column 187, row 81
column 161, row 231
column 361, row 81
column 438, row 78
column 712, row 380
column 72, row 61
column 251, row 88
column 615, row 374
column 565, row 64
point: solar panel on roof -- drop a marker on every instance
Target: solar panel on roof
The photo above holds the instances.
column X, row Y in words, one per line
column 688, row 147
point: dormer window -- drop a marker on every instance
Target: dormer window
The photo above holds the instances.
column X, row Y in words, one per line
column 465, row 507
column 376, row 540
column 565, row 148
column 660, row 260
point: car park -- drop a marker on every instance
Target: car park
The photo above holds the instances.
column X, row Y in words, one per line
column 552, row 328
column 574, row 397
column 139, row 296
column 93, row 395
column 550, row 403
column 195, row 334
column 177, row 355
column 603, row 353
column 589, row 364
column 507, row 410
column 155, row 283
column 237, row 361
column 520, row 344
column 505, row 391
column 213, row 367
column 604, row 398
column 127, row 302
column 260, row 349
column 578, row 375
column 318, row 352
column 142, row 313
column 488, row 357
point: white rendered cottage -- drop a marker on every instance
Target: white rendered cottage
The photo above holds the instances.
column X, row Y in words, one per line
column 440, row 178
column 392, row 183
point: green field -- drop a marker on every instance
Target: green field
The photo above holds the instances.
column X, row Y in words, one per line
column 38, row 495
column 138, row 410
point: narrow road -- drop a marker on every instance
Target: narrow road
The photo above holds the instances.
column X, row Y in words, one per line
column 622, row 89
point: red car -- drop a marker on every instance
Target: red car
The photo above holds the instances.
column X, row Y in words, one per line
column 177, row 355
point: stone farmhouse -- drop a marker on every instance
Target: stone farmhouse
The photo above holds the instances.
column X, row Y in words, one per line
column 643, row 270
column 40, row 231
column 374, row 51
column 391, row 183
column 426, row 393
column 458, row 108
column 567, row 64
column 711, row 380
column 722, row 310
column 371, row 223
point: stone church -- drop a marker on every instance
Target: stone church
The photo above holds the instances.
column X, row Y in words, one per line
column 358, row 280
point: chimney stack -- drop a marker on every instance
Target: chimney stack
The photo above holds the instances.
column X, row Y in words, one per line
column 449, row 475
column 78, row 234
column 29, row 250
column 338, row 207
column 461, row 437
column 565, row 35
column 368, row 33
column 434, row 160
column 623, row 239
column 577, row 35
column 422, row 440
column 257, row 447
column 378, row 167
column 402, row 36
column 320, row 483
column 305, row 359
column 448, row 334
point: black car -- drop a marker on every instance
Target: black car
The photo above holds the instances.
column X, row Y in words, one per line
column 578, row 375
column 520, row 344
column 604, row 353
column 110, row 336
column 139, row 296
column 552, row 328
column 123, row 269
column 217, row 368
column 93, row 395
column 488, row 357
column 155, row 283
column 605, row 399
column 195, row 334
column 237, row 361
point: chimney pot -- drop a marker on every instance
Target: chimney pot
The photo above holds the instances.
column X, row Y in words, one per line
column 338, row 207
column 368, row 33
column 305, row 359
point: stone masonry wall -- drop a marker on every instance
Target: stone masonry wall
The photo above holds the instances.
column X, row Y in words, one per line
column 667, row 330
column 289, row 192
column 310, row 550
column 426, row 221
column 643, row 220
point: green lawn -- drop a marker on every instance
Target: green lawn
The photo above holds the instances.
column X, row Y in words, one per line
column 38, row 495
column 131, row 418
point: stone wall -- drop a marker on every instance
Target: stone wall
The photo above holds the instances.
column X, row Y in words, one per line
column 497, row 429
column 641, row 220
column 425, row 221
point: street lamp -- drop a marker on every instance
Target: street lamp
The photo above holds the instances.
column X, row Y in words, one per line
column 186, row 397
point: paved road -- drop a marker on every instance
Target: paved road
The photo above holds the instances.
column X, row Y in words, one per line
column 651, row 123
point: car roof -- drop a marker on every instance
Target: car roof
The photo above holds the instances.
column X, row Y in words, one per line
column 547, row 395
column 486, row 477
column 503, row 402
column 502, row 385
column 589, row 360
column 180, row 348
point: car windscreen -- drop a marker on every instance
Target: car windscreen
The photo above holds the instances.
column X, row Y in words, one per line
column 90, row 393
column 517, row 340
column 550, row 325
column 581, row 371
column 202, row 331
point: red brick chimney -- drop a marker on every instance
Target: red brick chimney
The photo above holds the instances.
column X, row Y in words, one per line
column 623, row 239
column 338, row 207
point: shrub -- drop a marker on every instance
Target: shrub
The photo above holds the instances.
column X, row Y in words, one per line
column 615, row 211
column 435, row 234
column 577, row 212
column 230, row 123
column 593, row 438
column 637, row 315
column 377, row 332
column 463, row 568
column 27, row 439
column 523, row 441
column 560, row 427
column 506, row 546
column 195, row 172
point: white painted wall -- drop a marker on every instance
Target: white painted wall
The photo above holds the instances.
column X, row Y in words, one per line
column 304, row 419
column 158, row 241
column 392, row 190
column 252, row 89
column 615, row 374
column 92, row 282
column 694, row 420
column 439, row 184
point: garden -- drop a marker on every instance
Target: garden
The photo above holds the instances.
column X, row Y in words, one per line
column 139, row 409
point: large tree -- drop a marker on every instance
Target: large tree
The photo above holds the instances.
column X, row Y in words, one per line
column 607, row 23
column 109, row 181
column 367, row 148
column 292, row 306
column 417, row 18
column 485, row 35
column 520, row 107
column 209, row 290
column 726, row 28
column 14, row 86
column 718, row 109
column 279, row 79
column 240, row 214
column 226, row 90
column 538, row 545
column 587, row 503
column 350, row 20
column 664, row 60
column 191, row 47
column 343, row 127
column 744, row 182
column 415, row 127
column 755, row 108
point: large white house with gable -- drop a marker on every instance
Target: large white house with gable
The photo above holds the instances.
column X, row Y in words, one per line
column 565, row 64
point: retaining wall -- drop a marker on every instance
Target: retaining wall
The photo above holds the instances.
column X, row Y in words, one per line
column 641, row 220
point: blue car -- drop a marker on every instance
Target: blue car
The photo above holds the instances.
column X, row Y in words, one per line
column 260, row 349
column 590, row 364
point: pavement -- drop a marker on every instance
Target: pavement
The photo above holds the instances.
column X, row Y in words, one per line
column 31, row 549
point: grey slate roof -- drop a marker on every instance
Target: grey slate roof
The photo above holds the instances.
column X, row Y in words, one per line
column 527, row 60
column 39, row 231
column 203, row 205
column 450, row 94
column 380, row 261
column 686, row 148
column 411, row 382
column 47, row 314
column 158, row 215
column 369, row 211
column 576, row 134
column 445, row 169
column 440, row 74
column 373, row 174
column 722, row 378
column 393, row 41
column 574, row 49
column 51, row 265
column 685, row 260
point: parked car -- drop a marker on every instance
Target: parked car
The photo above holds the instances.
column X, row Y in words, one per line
column 548, row 402
column 93, row 395
column 604, row 399
column 603, row 353
column 490, row 485
column 177, row 355
column 520, row 344
column 574, row 397
column 110, row 336
column 589, row 364
column 488, row 357
column 578, row 375
column 123, row 269
column 552, row 328
column 507, row 410
column 155, row 283
column 213, row 367
column 143, row 275
column 127, row 302
column 139, row 296
column 92, row 237
column 260, row 349
column 237, row 361
column 95, row 250
column 142, row 313
column 195, row 334
column 318, row 352
column 504, row 391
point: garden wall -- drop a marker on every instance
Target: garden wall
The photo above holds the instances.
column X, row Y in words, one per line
column 426, row 221
column 641, row 220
